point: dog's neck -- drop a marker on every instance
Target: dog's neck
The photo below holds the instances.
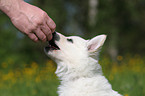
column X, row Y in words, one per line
column 85, row 69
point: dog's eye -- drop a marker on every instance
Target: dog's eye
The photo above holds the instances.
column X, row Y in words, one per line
column 70, row 40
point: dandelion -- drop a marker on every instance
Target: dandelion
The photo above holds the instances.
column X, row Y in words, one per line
column 8, row 76
column 28, row 71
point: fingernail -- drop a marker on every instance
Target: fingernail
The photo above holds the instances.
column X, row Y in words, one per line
column 44, row 39
column 49, row 38
column 36, row 39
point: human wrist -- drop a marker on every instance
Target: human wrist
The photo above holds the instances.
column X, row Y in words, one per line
column 10, row 7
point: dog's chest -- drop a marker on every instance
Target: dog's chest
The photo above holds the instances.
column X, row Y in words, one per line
column 86, row 87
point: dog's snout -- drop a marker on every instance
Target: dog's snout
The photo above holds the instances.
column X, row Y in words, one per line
column 56, row 36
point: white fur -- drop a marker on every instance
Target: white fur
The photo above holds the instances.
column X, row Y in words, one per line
column 78, row 70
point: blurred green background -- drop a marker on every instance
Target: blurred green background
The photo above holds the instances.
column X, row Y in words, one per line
column 26, row 71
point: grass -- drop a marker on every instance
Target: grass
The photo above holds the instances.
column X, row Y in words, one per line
column 127, row 76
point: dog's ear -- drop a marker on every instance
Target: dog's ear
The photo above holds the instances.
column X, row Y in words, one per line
column 95, row 43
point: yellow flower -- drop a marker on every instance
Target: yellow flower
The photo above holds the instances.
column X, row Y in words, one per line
column 126, row 95
column 34, row 65
column 28, row 71
column 8, row 76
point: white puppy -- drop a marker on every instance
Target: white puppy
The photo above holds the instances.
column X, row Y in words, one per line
column 77, row 68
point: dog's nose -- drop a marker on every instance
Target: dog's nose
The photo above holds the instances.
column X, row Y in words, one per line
column 56, row 36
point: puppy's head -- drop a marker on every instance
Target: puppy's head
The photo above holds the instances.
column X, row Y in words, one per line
column 73, row 48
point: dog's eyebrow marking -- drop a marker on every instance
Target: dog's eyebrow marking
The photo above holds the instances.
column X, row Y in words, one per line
column 70, row 40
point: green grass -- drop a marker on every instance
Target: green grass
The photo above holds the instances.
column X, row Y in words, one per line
column 129, row 83
column 30, row 88
column 127, row 76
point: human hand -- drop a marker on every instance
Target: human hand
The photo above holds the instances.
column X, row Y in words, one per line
column 33, row 22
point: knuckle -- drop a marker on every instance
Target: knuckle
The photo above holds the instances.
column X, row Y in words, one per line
column 33, row 28
column 44, row 14
column 27, row 32
column 39, row 22
column 31, row 36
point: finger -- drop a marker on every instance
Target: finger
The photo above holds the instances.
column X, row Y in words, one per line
column 50, row 23
column 49, row 37
column 40, row 34
column 46, row 30
column 33, row 37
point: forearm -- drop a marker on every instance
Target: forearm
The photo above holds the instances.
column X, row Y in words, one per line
column 9, row 7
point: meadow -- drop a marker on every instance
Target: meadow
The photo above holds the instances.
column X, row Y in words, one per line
column 127, row 76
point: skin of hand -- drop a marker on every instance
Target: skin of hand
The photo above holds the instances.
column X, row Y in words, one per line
column 29, row 19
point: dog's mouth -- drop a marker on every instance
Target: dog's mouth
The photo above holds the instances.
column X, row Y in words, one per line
column 51, row 44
